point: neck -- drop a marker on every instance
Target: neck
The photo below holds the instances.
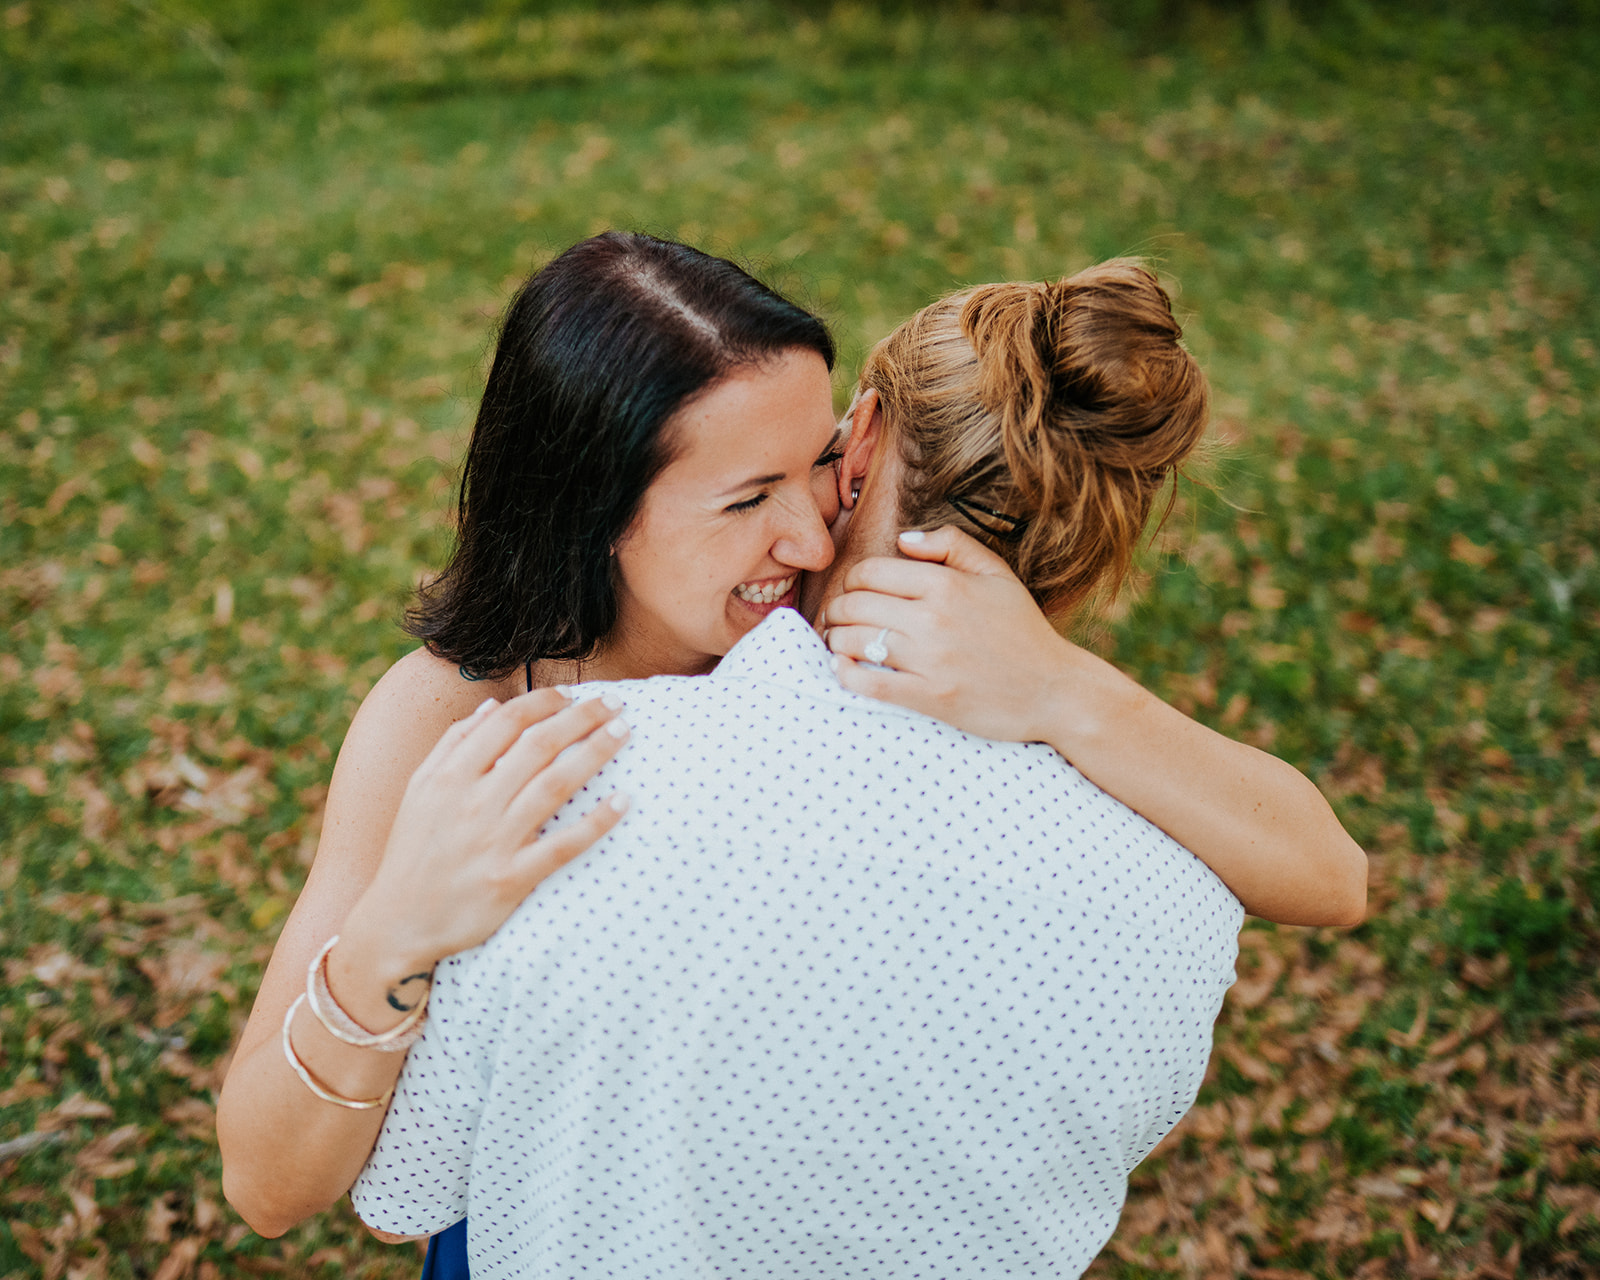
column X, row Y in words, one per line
column 619, row 659
column 872, row 531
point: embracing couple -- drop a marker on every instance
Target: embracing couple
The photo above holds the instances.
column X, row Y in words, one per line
column 912, row 941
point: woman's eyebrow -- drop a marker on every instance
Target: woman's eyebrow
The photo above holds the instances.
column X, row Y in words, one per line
column 755, row 482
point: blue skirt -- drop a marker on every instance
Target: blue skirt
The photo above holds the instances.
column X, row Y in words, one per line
column 447, row 1255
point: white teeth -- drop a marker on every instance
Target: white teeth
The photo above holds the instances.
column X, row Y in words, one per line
column 767, row 593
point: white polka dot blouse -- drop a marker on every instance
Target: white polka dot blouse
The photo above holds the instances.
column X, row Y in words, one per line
column 849, row 994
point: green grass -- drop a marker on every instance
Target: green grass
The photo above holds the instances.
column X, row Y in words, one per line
column 249, row 270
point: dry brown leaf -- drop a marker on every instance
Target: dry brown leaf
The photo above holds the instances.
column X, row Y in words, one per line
column 177, row 1062
column 1273, row 1108
column 186, row 968
column 30, row 777
column 1485, row 975
column 29, row 1240
column 1474, row 1059
column 84, row 1209
column 167, row 909
column 1382, row 1188
column 96, row 1160
column 1444, row 1044
column 1251, row 1068
column 75, row 1107
column 193, row 1117
column 100, row 815
column 24, row 1091
column 1419, row 1026
column 1316, row 1118
column 49, row 964
column 180, row 1262
column 1209, row 1123
column 1463, row 549
column 206, row 1213
column 230, row 800
column 1250, row 992
column 159, row 1219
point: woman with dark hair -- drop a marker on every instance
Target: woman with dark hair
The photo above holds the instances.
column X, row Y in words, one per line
column 596, row 356
column 651, row 474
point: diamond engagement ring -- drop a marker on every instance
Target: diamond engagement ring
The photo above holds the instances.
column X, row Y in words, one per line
column 877, row 651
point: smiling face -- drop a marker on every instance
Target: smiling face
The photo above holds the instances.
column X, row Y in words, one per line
column 729, row 525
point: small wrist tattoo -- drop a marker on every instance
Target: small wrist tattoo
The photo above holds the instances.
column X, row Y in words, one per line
column 395, row 1002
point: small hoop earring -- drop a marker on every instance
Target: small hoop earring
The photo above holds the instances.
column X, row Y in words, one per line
column 855, row 493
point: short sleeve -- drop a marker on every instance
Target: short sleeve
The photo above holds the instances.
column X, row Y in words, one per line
column 415, row 1181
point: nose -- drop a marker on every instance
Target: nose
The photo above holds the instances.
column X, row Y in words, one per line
column 804, row 541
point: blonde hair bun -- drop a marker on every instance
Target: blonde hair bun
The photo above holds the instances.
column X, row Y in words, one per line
column 1067, row 405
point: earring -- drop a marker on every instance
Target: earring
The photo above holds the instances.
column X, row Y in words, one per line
column 855, row 493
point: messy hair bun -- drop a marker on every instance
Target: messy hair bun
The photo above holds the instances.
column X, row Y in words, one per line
column 1045, row 419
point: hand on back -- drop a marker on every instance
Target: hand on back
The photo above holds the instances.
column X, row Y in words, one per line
column 465, row 848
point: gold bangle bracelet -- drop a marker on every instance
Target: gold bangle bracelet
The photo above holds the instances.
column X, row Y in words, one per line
column 311, row 1082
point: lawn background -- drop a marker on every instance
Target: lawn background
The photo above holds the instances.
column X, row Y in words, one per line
column 251, row 258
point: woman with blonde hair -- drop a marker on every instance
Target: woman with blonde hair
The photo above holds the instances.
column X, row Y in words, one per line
column 1048, row 422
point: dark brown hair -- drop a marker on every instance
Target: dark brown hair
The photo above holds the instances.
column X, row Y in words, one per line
column 597, row 352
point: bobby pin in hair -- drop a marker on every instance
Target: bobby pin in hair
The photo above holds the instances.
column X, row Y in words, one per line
column 1011, row 528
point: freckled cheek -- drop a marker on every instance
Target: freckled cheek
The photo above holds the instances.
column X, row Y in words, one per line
column 717, row 566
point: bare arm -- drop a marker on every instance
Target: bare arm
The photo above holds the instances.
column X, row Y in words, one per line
column 425, row 850
column 968, row 645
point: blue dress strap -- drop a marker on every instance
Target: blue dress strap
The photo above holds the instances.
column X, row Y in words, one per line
column 447, row 1255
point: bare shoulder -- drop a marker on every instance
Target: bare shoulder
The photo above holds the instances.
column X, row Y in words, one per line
column 421, row 683
column 405, row 714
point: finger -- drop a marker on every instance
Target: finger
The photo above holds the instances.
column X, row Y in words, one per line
column 886, row 685
column 874, row 609
column 548, row 854
column 538, row 747
column 891, row 576
column 949, row 545
column 452, row 737
column 495, row 735
column 540, row 798
column 854, row 642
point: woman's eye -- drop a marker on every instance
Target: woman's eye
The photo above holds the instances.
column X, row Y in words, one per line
column 829, row 458
column 749, row 504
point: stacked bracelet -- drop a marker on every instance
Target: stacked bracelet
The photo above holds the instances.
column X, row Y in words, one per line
column 341, row 1026
column 311, row 1082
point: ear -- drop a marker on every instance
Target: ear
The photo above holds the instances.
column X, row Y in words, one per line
column 861, row 445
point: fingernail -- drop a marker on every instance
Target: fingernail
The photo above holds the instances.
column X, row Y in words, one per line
column 485, row 705
column 619, row 803
column 834, row 662
column 565, row 690
column 913, row 535
column 611, row 701
column 617, row 728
